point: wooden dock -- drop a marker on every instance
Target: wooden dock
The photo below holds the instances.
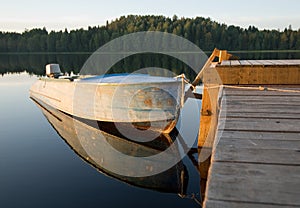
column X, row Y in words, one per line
column 259, row 72
column 251, row 124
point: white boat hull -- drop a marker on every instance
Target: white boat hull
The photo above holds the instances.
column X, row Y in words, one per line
column 154, row 105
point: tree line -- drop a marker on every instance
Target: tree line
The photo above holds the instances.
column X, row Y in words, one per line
column 204, row 32
column 32, row 49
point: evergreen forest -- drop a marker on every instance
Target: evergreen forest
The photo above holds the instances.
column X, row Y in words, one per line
column 204, row 32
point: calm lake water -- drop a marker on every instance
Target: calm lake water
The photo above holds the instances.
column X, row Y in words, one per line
column 38, row 168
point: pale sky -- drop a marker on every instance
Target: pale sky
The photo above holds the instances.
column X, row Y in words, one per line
column 18, row 15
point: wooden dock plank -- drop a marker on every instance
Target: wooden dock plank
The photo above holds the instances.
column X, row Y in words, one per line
column 235, row 63
column 295, row 61
column 233, row 204
column 260, row 124
column 258, row 151
column 261, row 103
column 269, row 110
column 277, row 62
column 289, row 62
column 255, row 63
column 225, row 63
column 263, row 88
column 256, row 154
column 245, row 63
column 268, row 106
column 260, row 144
column 271, row 63
column 224, row 114
column 254, row 183
column 260, row 93
column 259, row 135
column 266, row 98
column 259, row 72
column 266, row 62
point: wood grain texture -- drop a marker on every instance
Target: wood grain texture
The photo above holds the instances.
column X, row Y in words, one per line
column 266, row 62
column 226, row 63
column 255, row 183
column 258, row 151
column 267, row 99
column 245, row 63
column 209, row 116
column 259, row 72
column 258, row 115
column 260, row 124
column 256, row 154
column 235, row 63
column 260, row 135
column 257, row 93
column 233, row 204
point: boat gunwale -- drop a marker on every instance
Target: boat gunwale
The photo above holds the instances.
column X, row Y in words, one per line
column 111, row 84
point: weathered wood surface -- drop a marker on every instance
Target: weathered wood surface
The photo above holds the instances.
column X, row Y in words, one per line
column 241, row 63
column 280, row 90
column 261, row 124
column 259, row 71
column 259, row 115
column 208, row 124
column 209, row 117
column 258, row 151
column 225, row 204
column 256, row 154
column 248, row 100
column 270, row 110
column 260, row 135
column 255, row 183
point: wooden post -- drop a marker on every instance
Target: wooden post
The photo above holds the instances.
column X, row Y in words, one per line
column 209, row 113
column 203, row 168
column 224, row 55
column 208, row 124
column 209, row 116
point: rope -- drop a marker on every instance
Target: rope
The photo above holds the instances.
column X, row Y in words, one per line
column 260, row 88
column 183, row 77
column 192, row 197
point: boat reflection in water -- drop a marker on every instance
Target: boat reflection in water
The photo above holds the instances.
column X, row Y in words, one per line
column 103, row 151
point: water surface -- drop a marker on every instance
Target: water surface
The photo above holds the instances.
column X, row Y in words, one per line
column 39, row 169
